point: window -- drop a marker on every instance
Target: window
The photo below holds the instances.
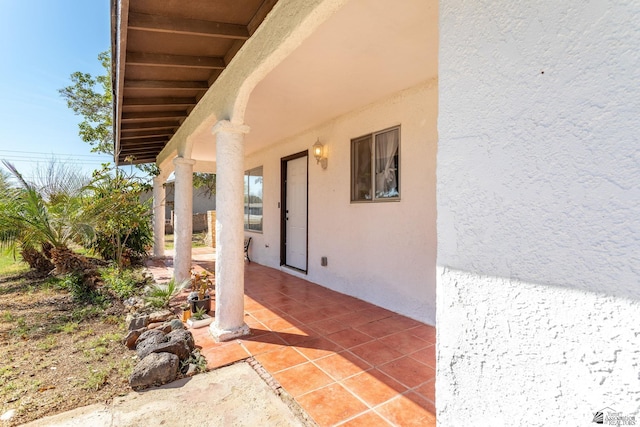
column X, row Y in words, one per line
column 253, row 199
column 375, row 166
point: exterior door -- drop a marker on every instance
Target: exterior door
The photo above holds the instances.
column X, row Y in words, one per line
column 294, row 212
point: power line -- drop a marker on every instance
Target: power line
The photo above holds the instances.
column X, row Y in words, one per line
column 52, row 154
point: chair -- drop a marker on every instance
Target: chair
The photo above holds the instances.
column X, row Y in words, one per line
column 247, row 242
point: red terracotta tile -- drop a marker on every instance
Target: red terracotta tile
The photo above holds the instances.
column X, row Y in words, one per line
column 342, row 365
column 266, row 314
column 427, row 390
column 224, row 355
column 278, row 360
column 425, row 332
column 262, row 343
column 302, row 379
column 281, row 323
column 404, row 411
column 408, row 371
column 354, row 319
column 331, row 405
column 329, row 326
column 333, row 310
column 295, row 335
column 418, row 399
column 368, row 419
column 307, row 316
column 379, row 328
column 316, row 348
column 404, row 342
column 374, row 387
column 349, row 338
column 376, row 352
column 426, row 355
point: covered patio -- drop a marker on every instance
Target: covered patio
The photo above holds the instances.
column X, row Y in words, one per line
column 345, row 362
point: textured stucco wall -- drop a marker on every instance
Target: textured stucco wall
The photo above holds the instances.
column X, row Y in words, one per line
column 384, row 253
column 538, row 211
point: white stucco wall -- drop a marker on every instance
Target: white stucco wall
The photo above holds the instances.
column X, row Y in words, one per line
column 538, row 212
column 383, row 253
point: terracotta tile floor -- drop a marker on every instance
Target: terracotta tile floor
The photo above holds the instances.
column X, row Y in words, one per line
column 345, row 361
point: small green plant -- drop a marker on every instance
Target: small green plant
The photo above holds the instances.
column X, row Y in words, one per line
column 69, row 327
column 123, row 283
column 160, row 295
column 200, row 313
column 81, row 291
column 7, row 317
column 96, row 380
column 48, row 343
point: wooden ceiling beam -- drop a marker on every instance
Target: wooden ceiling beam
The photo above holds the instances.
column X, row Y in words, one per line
column 194, row 27
column 155, row 101
column 166, row 84
column 149, row 126
column 146, row 140
column 181, row 61
column 127, row 135
column 128, row 117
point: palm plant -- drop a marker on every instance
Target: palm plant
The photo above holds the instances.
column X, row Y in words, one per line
column 41, row 221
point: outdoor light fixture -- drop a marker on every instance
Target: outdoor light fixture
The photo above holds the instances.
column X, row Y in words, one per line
column 318, row 153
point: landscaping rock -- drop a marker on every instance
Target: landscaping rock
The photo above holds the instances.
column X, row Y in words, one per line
column 176, row 324
column 161, row 316
column 182, row 335
column 148, row 341
column 155, row 369
column 155, row 325
column 136, row 322
column 178, row 347
column 132, row 337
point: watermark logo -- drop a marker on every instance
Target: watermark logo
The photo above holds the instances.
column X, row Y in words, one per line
column 611, row 417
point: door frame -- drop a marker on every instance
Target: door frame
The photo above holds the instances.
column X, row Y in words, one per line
column 283, row 209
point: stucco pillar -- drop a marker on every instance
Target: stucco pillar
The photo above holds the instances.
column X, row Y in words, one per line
column 229, row 319
column 183, row 212
column 159, row 196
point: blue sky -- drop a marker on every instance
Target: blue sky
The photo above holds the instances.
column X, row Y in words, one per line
column 41, row 43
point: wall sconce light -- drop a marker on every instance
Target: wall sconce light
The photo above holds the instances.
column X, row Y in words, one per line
column 318, row 153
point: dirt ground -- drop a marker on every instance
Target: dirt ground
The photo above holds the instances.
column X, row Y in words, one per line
column 56, row 355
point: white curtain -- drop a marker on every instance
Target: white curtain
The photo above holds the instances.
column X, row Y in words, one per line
column 386, row 151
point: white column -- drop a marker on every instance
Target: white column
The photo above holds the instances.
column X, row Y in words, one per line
column 159, row 196
column 229, row 319
column 183, row 219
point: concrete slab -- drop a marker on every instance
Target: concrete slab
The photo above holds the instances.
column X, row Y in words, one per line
column 230, row 396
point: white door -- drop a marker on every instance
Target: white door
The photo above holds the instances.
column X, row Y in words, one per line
column 296, row 213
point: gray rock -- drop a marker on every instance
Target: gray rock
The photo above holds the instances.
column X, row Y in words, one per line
column 178, row 347
column 176, row 324
column 136, row 322
column 182, row 335
column 155, row 369
column 161, row 316
column 148, row 341
column 132, row 337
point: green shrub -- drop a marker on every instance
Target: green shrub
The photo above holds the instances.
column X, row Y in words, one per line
column 160, row 295
column 81, row 291
column 122, row 283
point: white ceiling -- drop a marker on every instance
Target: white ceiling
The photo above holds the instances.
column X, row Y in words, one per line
column 368, row 50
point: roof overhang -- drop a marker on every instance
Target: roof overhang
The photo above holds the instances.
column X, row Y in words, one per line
column 166, row 54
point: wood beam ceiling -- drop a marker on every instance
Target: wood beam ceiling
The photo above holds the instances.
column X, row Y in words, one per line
column 171, row 60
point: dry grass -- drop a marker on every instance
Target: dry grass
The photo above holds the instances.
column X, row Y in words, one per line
column 56, row 355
